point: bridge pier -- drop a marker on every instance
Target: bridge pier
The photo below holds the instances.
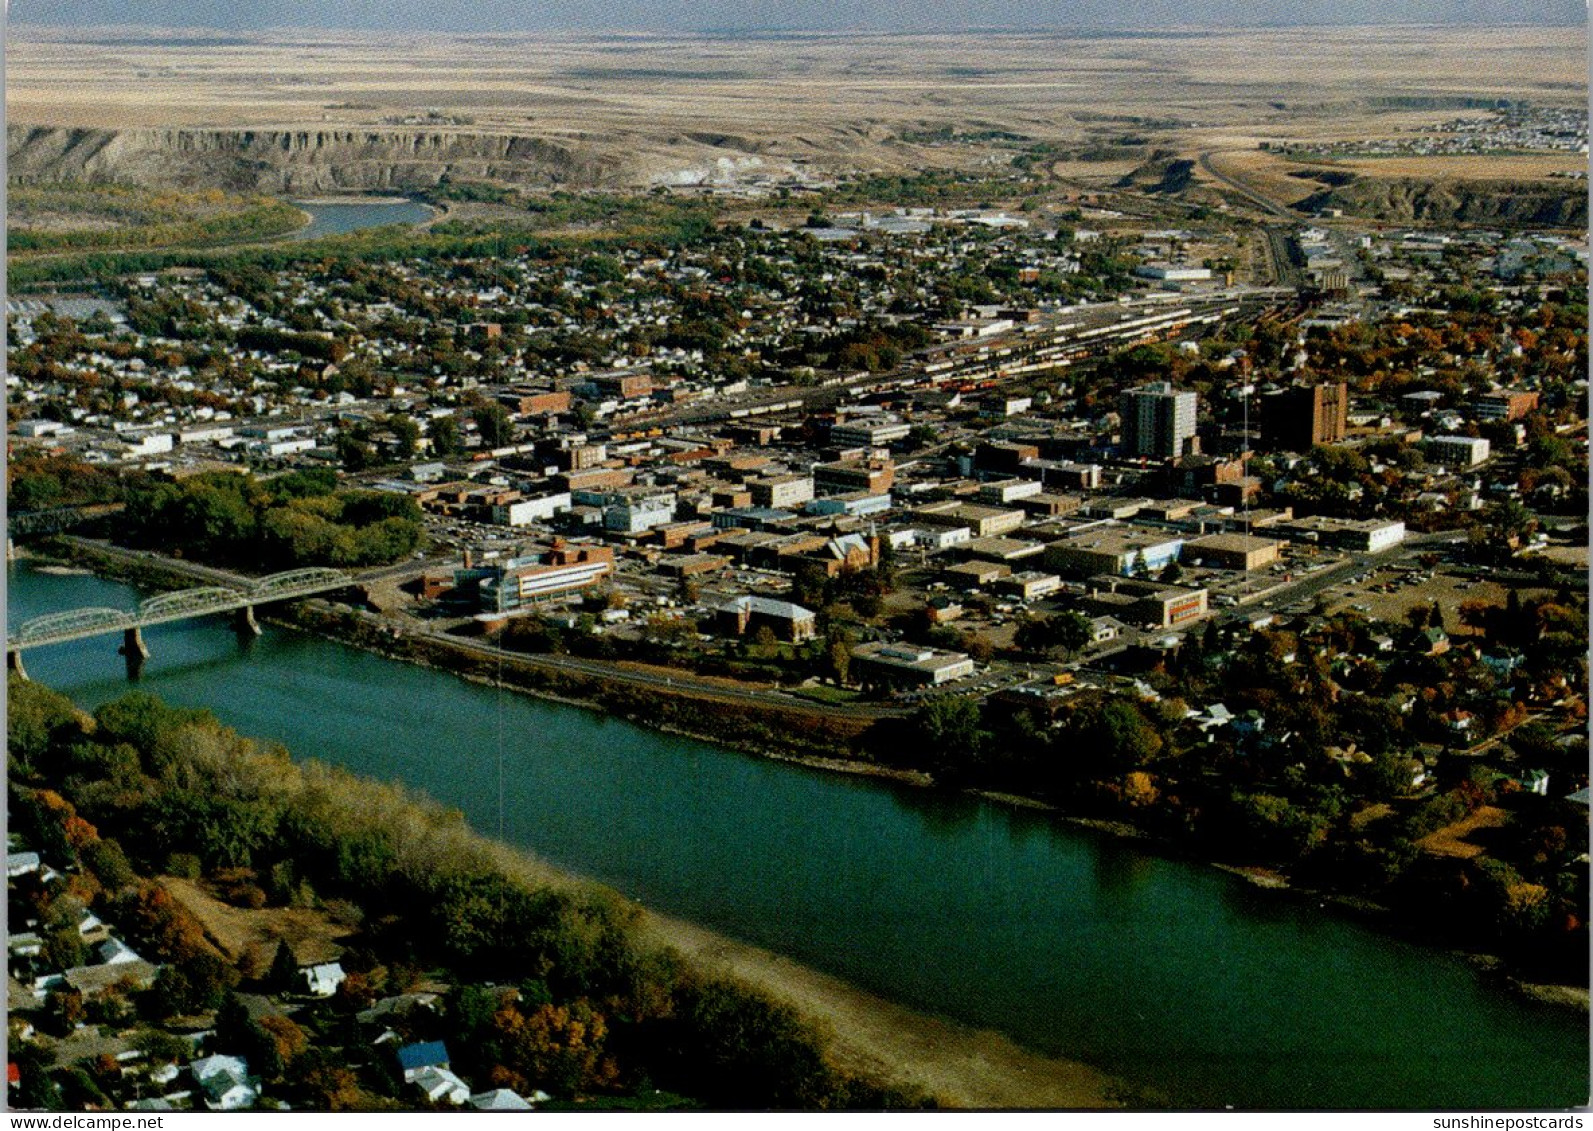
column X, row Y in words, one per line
column 244, row 624
column 136, row 652
column 14, row 663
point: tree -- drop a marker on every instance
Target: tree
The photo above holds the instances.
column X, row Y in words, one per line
column 1071, row 631
column 445, row 437
column 354, row 454
column 492, row 420
column 406, row 432
column 284, row 974
column 838, row 658
column 65, row 1008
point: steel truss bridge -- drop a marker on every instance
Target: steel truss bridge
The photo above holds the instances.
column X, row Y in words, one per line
column 77, row 624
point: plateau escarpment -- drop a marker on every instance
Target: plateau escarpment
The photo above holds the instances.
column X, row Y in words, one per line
column 1493, row 203
column 289, row 162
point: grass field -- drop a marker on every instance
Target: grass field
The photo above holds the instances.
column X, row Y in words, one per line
column 312, row 935
column 667, row 103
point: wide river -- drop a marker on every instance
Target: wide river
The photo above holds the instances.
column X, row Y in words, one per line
column 1173, row 976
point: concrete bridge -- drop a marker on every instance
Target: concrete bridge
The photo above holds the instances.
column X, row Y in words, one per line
column 164, row 608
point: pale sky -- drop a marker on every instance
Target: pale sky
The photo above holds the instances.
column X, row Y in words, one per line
column 757, row 15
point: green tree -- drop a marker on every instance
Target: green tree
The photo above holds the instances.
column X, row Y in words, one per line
column 284, row 973
column 492, row 421
column 445, row 437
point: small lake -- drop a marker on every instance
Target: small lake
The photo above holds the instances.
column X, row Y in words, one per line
column 338, row 219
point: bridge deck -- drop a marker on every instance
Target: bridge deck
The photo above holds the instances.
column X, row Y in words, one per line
column 164, row 608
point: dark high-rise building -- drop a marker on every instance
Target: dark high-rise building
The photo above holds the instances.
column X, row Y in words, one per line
column 1302, row 416
column 1159, row 420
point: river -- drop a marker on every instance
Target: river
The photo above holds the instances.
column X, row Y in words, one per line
column 337, row 219
column 1173, row 976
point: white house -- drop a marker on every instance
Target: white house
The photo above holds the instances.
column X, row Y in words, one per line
column 323, row 980
column 499, row 1099
column 226, row 1082
column 441, row 1084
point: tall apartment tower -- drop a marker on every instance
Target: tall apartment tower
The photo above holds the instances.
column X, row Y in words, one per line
column 1302, row 416
column 1159, row 420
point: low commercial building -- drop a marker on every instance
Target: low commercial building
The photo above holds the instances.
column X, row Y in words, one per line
column 561, row 569
column 1048, row 505
column 905, row 666
column 869, row 431
column 1113, row 549
column 1362, row 536
column 1009, row 490
column 633, row 516
column 1173, row 272
column 1062, row 473
column 1001, row 549
column 976, row 574
column 1030, row 585
column 936, row 538
column 691, row 565
column 741, row 615
column 985, row 522
column 522, row 511
column 1146, row 603
column 854, row 503
column 781, row 491
column 873, row 476
column 1233, row 551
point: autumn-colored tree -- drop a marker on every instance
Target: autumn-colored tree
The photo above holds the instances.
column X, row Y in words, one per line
column 330, row 1087
column 1139, row 789
column 166, row 928
column 65, row 1007
column 556, row 1048
column 289, row 1038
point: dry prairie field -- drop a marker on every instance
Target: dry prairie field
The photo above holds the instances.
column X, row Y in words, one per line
column 798, row 95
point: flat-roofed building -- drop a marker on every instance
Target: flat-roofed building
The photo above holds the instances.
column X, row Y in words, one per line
column 869, row 431
column 1112, row 549
column 1062, row 473
column 1366, row 536
column 985, row 522
column 1003, row 455
column 843, row 476
column 942, row 537
column 1508, row 405
column 1049, row 505
column 691, row 565
column 906, row 666
column 781, row 490
column 1008, row 490
column 563, row 568
column 1300, row 417
column 1233, row 551
column 635, row 515
column 976, row 574
column 1030, row 584
column 1146, row 603
column 1001, row 549
column 519, row 512
column 754, row 518
column 853, row 503
column 1456, row 451
column 1159, row 420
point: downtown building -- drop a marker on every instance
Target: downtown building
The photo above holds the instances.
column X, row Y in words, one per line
column 1159, row 421
column 1300, row 417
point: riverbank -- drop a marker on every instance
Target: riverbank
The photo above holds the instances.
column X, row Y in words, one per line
column 877, row 1039
column 774, row 734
